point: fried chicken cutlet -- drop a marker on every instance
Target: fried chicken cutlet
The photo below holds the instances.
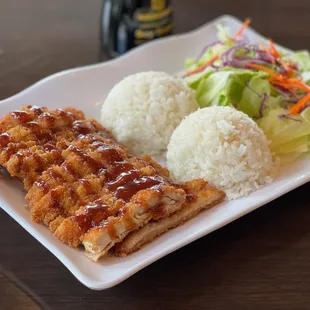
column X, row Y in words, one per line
column 85, row 186
column 32, row 139
column 200, row 196
column 95, row 170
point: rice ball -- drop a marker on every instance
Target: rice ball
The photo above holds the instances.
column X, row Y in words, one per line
column 223, row 146
column 143, row 110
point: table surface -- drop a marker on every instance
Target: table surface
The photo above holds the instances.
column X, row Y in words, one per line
column 260, row 261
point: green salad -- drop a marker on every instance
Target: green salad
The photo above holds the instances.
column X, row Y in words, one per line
column 268, row 84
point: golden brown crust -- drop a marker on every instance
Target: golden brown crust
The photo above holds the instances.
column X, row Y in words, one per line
column 144, row 207
column 161, row 170
column 202, row 197
column 33, row 138
column 81, row 183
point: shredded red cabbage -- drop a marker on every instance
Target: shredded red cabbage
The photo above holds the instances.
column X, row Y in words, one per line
column 282, row 90
column 218, row 42
column 265, row 56
column 243, row 54
column 251, row 54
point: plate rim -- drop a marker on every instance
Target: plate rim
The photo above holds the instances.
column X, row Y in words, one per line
column 83, row 277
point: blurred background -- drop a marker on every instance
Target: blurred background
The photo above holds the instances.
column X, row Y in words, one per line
column 38, row 38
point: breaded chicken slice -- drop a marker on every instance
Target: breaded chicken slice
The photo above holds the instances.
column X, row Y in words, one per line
column 200, row 196
column 33, row 139
column 153, row 203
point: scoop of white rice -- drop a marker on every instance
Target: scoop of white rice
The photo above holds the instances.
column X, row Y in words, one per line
column 222, row 146
column 143, row 110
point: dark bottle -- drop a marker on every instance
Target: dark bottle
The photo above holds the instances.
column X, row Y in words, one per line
column 128, row 23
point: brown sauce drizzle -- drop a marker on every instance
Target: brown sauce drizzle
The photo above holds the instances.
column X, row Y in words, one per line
column 22, row 116
column 119, row 167
column 48, row 119
column 42, row 185
column 83, row 128
column 92, row 163
column 10, row 150
column 62, row 144
column 35, row 109
column 73, row 194
column 49, row 147
column 4, row 139
column 130, row 183
column 66, row 115
column 33, row 126
column 70, row 169
column 56, row 155
column 92, row 216
column 127, row 191
column 109, row 154
column 86, row 184
column 54, row 197
column 37, row 159
column 20, row 157
column 55, row 175
column 123, row 179
column 40, row 133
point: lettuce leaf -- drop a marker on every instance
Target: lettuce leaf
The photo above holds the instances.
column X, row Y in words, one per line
column 224, row 88
column 281, row 130
column 194, row 79
column 251, row 92
column 253, row 96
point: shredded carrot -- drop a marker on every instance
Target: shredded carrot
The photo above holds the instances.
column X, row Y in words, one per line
column 286, row 82
column 260, row 67
column 273, row 49
column 301, row 87
column 290, row 86
column 246, row 23
column 214, row 58
column 289, row 83
column 274, row 52
column 203, row 66
column 290, row 71
column 266, row 50
column 282, row 79
column 286, row 65
column 296, row 108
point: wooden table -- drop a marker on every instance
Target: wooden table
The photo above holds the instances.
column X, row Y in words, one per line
column 259, row 262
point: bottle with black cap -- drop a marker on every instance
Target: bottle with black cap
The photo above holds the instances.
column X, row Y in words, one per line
column 128, row 23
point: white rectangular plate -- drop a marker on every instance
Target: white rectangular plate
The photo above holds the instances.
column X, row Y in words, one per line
column 85, row 88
